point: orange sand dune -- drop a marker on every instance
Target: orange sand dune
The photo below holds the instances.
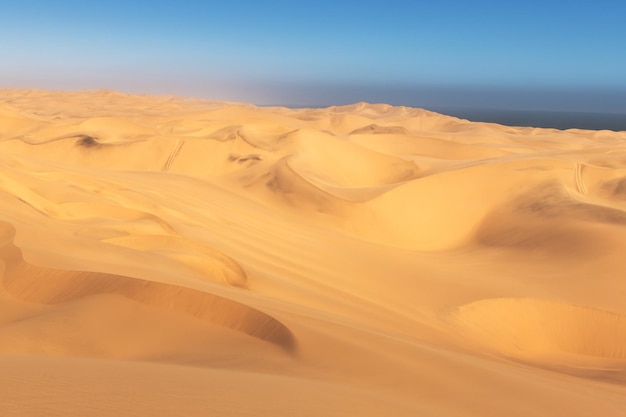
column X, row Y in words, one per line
column 168, row 256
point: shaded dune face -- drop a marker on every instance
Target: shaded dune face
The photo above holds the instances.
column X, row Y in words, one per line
column 50, row 286
column 539, row 330
column 380, row 130
column 550, row 219
column 209, row 263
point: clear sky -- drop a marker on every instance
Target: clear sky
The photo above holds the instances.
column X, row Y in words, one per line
column 553, row 54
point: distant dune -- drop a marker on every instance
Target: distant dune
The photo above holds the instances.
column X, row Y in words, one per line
column 168, row 256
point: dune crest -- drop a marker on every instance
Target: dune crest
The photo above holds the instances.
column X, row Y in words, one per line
column 211, row 263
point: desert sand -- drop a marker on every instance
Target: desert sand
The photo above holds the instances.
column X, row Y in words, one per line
column 163, row 256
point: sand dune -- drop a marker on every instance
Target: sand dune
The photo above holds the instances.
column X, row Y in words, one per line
column 537, row 329
column 174, row 256
column 47, row 286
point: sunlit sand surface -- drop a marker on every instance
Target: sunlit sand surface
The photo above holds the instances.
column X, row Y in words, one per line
column 162, row 256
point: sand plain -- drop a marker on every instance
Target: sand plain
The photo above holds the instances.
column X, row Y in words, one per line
column 168, row 256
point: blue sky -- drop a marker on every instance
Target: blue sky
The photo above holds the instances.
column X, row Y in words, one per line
column 562, row 55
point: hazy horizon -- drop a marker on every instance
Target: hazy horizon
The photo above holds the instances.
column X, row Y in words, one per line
column 531, row 56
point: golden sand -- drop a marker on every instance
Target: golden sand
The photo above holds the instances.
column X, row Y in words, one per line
column 162, row 256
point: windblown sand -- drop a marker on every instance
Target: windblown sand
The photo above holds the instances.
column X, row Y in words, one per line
column 162, row 256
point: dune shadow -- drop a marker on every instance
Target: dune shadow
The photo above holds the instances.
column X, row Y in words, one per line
column 53, row 286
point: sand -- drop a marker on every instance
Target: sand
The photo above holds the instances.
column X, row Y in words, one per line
column 166, row 256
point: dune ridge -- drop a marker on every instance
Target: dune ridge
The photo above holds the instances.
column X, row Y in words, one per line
column 47, row 286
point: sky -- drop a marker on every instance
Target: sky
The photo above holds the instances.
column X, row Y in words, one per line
column 540, row 55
